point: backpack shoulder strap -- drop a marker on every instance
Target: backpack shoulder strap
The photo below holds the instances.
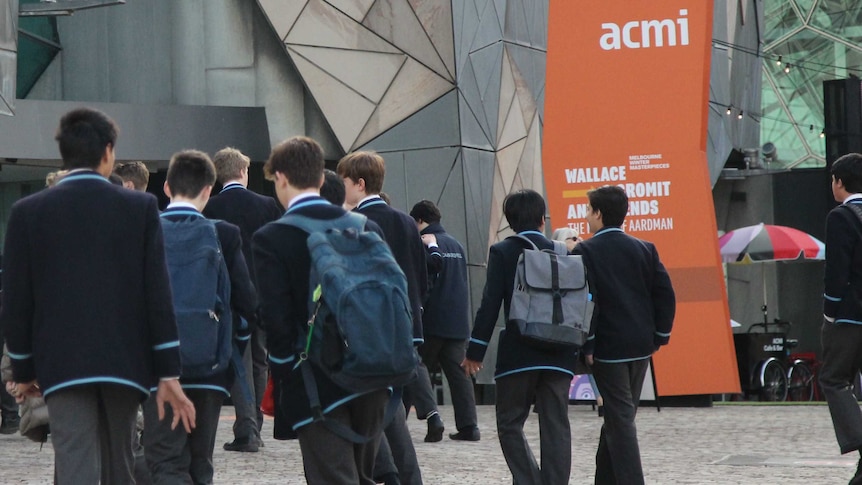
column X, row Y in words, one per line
column 856, row 209
column 311, row 225
column 524, row 238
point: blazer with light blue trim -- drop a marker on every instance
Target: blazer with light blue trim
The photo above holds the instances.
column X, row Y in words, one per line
column 86, row 295
column 402, row 235
column 512, row 355
column 282, row 267
column 842, row 297
column 243, row 298
column 634, row 296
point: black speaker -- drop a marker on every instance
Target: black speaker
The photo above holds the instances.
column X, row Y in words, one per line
column 842, row 113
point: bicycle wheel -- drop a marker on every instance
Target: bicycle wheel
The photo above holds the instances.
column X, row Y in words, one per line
column 773, row 381
column 800, row 382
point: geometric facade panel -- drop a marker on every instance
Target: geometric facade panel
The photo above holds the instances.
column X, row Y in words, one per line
column 8, row 54
column 378, row 50
column 407, row 33
column 413, row 88
column 356, row 9
column 817, row 41
column 345, row 109
column 343, row 65
column 431, row 127
column 436, row 19
column 282, row 14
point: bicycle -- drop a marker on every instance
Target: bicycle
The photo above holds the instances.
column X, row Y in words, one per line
column 768, row 369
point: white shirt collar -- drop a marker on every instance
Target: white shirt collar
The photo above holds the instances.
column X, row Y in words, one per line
column 300, row 197
column 369, row 197
column 182, row 205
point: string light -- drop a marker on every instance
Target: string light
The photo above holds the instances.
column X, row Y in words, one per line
column 778, row 62
column 787, row 68
column 729, row 110
column 758, row 117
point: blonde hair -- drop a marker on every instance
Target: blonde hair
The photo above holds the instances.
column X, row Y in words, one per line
column 52, row 178
column 563, row 233
column 229, row 164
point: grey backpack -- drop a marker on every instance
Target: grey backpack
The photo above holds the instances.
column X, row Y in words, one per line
column 551, row 305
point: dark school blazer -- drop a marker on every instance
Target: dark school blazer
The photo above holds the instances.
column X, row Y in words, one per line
column 86, row 295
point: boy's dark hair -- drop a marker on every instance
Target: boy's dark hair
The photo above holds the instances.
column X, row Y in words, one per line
column 848, row 169
column 368, row 166
column 613, row 203
column 525, row 210
column 115, row 179
column 83, row 135
column 135, row 172
column 300, row 159
column 333, row 188
column 189, row 172
column 426, row 211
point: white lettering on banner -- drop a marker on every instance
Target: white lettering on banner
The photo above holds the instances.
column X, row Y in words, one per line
column 643, row 207
column 577, row 211
column 652, row 33
column 595, row 174
column 652, row 224
column 647, row 189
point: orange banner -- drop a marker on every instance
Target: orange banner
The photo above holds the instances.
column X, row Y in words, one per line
column 626, row 104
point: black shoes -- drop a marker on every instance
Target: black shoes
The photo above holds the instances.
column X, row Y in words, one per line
column 246, row 446
column 10, row 425
column 469, row 434
column 435, row 429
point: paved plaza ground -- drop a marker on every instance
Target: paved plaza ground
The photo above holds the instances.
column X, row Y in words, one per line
column 725, row 444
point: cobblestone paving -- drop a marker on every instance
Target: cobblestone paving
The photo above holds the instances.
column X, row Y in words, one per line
column 771, row 444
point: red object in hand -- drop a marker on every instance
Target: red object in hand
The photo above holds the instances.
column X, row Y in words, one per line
column 267, row 404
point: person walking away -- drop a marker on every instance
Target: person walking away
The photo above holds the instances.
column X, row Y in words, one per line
column 636, row 303
column 446, row 317
column 841, row 333
column 524, row 374
column 93, row 324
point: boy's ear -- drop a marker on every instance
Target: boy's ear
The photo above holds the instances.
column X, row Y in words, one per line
column 167, row 190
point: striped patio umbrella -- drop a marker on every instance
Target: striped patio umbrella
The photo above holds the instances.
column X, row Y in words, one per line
column 764, row 242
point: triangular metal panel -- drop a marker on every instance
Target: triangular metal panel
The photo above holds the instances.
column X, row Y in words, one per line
column 525, row 96
column 479, row 168
column 488, row 30
column 530, row 165
column 395, row 21
column 464, row 16
column 414, row 87
column 507, row 93
column 514, row 128
column 322, row 25
column 537, row 22
column 516, row 29
column 428, row 172
column 508, row 160
column 335, row 99
column 472, row 133
column 344, row 65
column 469, row 87
column 530, row 63
column 281, row 14
column 433, row 126
column 500, row 6
column 395, row 183
column 488, row 65
column 436, row 18
column 356, row 9
column 451, row 202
